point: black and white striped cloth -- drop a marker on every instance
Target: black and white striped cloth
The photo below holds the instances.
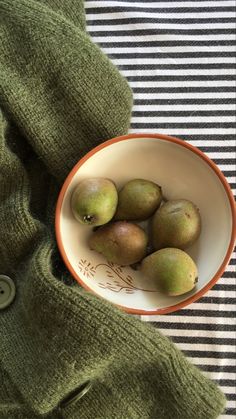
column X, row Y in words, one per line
column 179, row 58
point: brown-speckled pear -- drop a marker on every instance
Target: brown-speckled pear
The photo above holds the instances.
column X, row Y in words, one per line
column 177, row 223
column 120, row 242
column 138, row 200
column 173, row 270
column 94, row 201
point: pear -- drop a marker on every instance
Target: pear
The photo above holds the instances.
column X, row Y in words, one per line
column 94, row 201
column 176, row 223
column 173, row 270
column 138, row 200
column 120, row 242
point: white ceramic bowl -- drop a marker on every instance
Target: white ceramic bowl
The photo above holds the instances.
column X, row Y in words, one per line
column 183, row 171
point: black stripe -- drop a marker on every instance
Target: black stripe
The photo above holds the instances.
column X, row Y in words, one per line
column 222, row 382
column 218, row 368
column 166, row 54
column 167, row 114
column 187, row 89
column 185, row 125
column 118, row 9
column 225, row 287
column 229, row 274
column 213, row 77
column 194, row 101
column 231, row 396
column 203, row 340
column 221, row 149
column 209, row 138
column 170, row 43
column 209, row 354
column 231, row 411
column 174, row 66
column 204, row 313
column 131, row 20
column 233, row 260
column 232, row 185
column 195, row 326
column 147, row 32
column 223, row 161
column 218, row 300
column 229, row 173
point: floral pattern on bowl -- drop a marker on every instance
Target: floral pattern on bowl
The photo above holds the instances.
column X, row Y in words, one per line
column 115, row 279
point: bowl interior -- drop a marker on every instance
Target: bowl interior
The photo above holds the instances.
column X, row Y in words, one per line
column 182, row 174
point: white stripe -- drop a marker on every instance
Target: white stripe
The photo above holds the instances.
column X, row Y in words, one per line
column 220, row 375
column 185, row 95
column 194, row 107
column 179, row 60
column 228, row 167
column 212, row 361
column 183, row 83
column 212, row 306
column 188, row 131
column 229, row 281
column 136, row 71
column 106, row 3
column 205, row 347
column 212, row 14
column 182, row 119
column 206, row 143
column 231, row 404
column 226, row 417
column 189, row 319
column 199, row 143
column 198, row 333
column 170, row 49
column 163, row 37
column 161, row 5
column 228, row 390
column 158, row 25
column 220, row 293
column 218, row 154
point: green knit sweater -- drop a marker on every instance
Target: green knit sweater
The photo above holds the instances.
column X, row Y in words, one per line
column 60, row 96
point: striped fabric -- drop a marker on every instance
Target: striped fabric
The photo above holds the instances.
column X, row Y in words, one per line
column 179, row 57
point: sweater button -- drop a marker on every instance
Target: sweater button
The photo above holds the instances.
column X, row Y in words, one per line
column 7, row 291
column 76, row 394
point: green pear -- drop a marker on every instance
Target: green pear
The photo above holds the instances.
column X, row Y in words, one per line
column 120, row 242
column 138, row 200
column 173, row 270
column 177, row 223
column 94, row 201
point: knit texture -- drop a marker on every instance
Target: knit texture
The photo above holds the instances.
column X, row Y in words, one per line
column 60, row 96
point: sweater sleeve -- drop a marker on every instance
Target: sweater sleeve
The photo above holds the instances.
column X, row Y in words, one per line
column 62, row 91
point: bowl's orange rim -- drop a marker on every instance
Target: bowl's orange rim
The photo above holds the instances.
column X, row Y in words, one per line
column 190, row 147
